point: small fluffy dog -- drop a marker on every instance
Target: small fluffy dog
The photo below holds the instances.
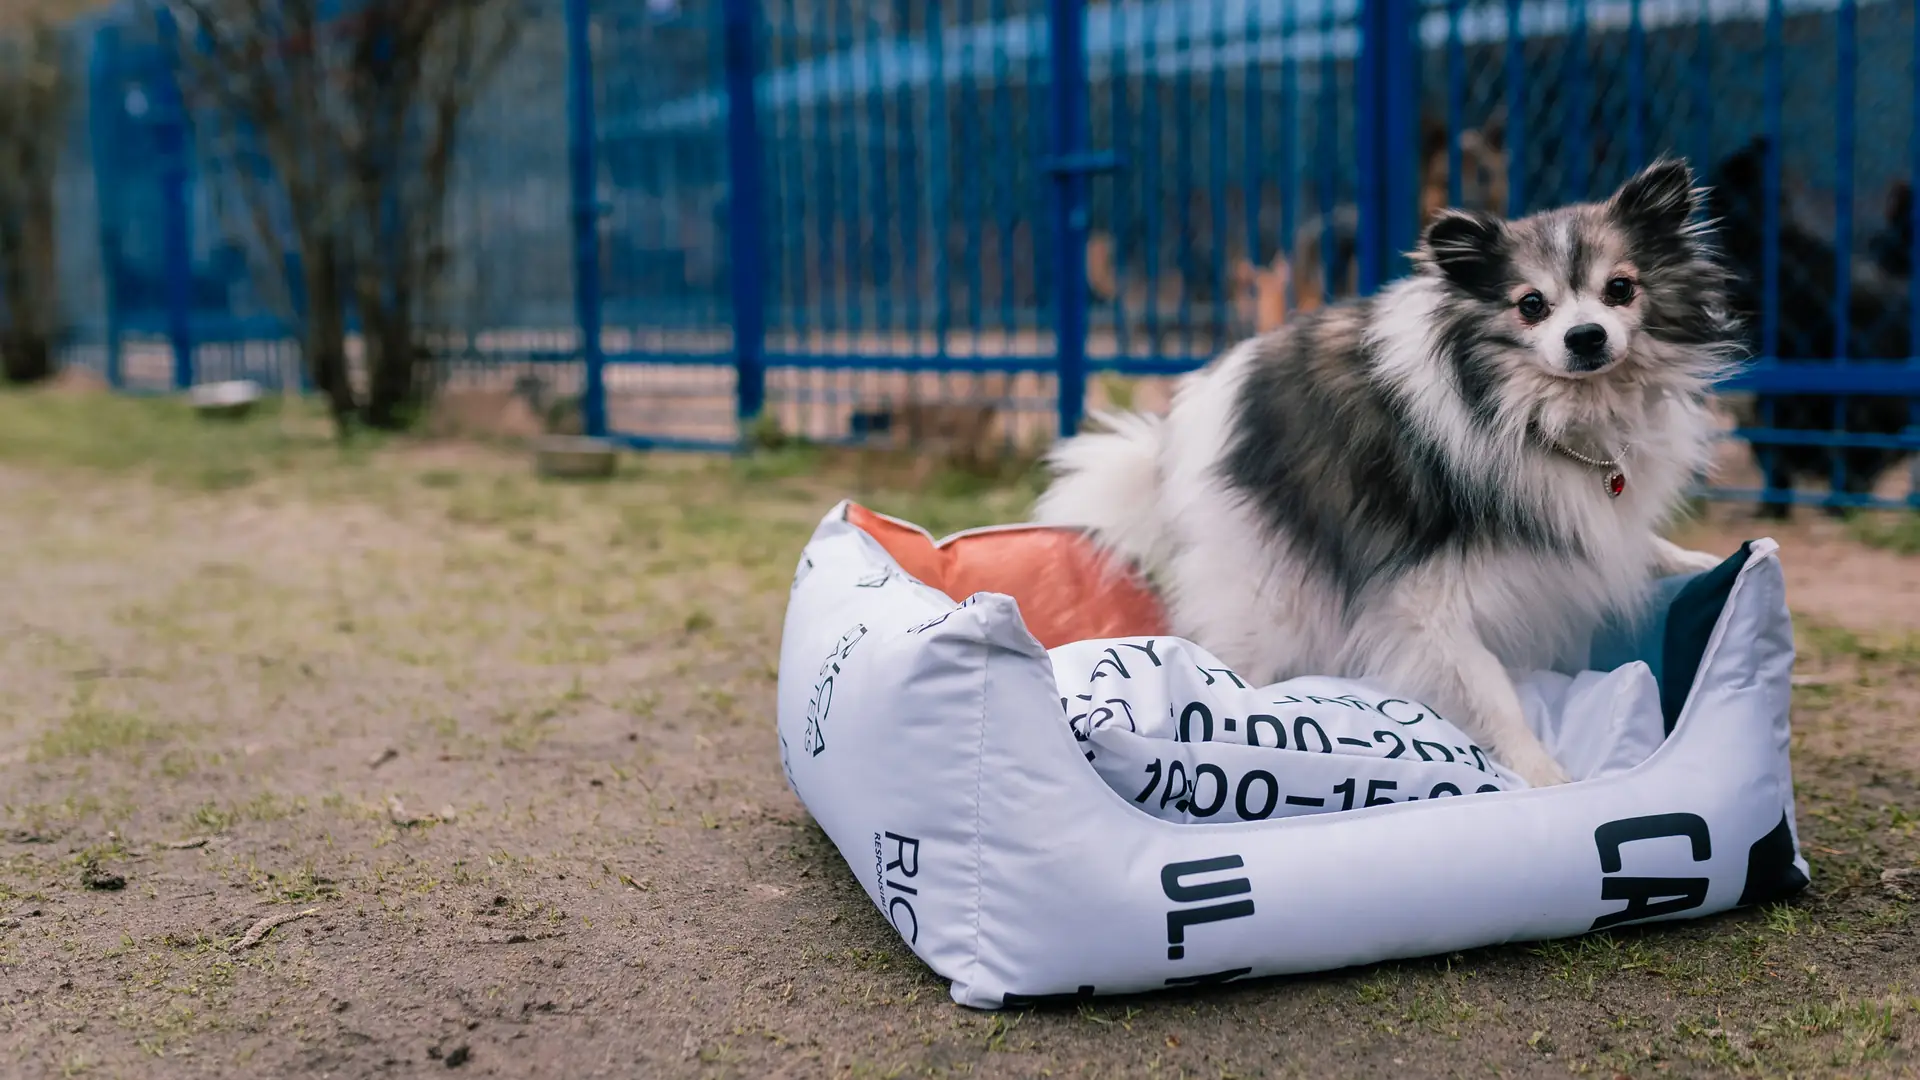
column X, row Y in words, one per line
column 1460, row 475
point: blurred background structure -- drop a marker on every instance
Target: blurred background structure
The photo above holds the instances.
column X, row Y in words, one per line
column 686, row 223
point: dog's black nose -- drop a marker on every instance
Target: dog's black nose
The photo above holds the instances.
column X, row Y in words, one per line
column 1587, row 346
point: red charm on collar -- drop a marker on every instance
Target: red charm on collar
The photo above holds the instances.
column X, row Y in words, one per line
column 1616, row 483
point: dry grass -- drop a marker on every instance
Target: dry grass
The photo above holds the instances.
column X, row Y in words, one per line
column 512, row 742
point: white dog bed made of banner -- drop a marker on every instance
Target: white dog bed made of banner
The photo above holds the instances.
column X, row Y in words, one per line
column 1122, row 813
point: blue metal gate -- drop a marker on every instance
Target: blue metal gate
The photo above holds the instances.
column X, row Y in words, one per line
column 861, row 219
column 830, row 213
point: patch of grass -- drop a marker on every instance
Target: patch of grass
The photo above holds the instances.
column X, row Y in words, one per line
column 1120, row 390
column 213, row 817
column 526, row 728
column 1826, row 642
column 951, row 501
column 1896, row 532
column 508, row 500
column 165, row 438
column 264, row 807
column 1862, row 1028
column 786, row 463
column 89, row 728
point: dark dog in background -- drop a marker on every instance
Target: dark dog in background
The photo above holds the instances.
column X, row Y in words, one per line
column 1892, row 246
column 1318, row 280
column 1258, row 291
column 1878, row 312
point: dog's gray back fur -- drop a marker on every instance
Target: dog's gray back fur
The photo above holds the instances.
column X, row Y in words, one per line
column 1384, row 488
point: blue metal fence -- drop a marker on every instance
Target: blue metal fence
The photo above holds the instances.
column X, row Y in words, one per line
column 983, row 215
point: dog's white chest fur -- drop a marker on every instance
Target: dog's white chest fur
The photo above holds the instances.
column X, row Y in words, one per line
column 1235, row 586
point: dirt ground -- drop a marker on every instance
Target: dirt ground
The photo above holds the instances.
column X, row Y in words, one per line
column 503, row 754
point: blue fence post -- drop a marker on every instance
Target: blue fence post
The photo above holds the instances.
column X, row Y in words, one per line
column 1913, row 281
column 1400, row 112
column 173, row 138
column 106, row 110
column 1389, row 94
column 1068, row 54
column 584, row 175
column 746, row 240
column 1516, row 76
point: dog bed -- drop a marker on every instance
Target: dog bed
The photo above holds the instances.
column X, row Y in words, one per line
column 1073, row 803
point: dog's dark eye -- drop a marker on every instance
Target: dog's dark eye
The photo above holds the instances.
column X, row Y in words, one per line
column 1619, row 291
column 1533, row 307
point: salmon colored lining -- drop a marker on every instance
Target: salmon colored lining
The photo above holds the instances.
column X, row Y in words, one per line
column 1067, row 589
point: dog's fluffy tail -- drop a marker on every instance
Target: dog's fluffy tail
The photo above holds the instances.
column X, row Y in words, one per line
column 1108, row 482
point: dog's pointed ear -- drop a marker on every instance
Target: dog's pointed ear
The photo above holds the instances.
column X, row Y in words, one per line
column 1467, row 248
column 1659, row 200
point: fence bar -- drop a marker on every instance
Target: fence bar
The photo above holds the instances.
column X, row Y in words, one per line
column 583, row 172
column 1217, row 179
column 1516, row 113
column 1843, row 122
column 1388, row 136
column 1066, row 23
column 104, row 65
column 1126, row 196
column 1006, row 216
column 1770, row 263
column 1579, row 123
column 1250, row 120
column 942, row 202
column 1636, row 89
column 1765, row 453
column 1456, row 99
column 1183, row 173
column 1913, row 261
column 1400, row 130
column 838, row 184
column 907, row 169
column 747, row 270
column 878, row 207
column 1151, row 189
column 799, row 294
column 1328, row 152
column 1370, row 142
column 974, row 219
column 1290, row 113
column 175, row 174
column 1703, row 89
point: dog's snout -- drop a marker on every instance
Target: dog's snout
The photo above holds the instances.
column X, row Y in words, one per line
column 1587, row 346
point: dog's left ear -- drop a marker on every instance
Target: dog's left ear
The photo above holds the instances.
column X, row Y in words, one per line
column 1659, row 200
column 1468, row 248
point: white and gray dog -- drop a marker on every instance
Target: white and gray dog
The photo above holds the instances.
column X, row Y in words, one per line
column 1461, row 475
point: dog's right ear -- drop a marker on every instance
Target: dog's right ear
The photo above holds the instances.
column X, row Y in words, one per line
column 1467, row 248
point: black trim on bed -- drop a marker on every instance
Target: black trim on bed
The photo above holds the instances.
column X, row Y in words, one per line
column 1691, row 618
column 1771, row 874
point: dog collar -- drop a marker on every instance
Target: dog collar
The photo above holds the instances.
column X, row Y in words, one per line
column 1614, row 474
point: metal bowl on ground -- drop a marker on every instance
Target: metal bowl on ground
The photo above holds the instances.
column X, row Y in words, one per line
column 229, row 400
column 572, row 457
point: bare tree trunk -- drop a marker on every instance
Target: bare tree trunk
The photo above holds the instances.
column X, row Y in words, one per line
column 33, row 97
column 324, row 330
column 26, row 264
column 357, row 114
column 387, row 322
